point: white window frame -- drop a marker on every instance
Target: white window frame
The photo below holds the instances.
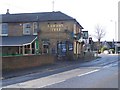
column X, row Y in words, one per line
column 35, row 27
column 1, row 28
column 74, row 28
column 25, row 27
column 48, row 25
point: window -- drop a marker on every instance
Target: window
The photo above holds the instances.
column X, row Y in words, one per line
column 70, row 46
column 54, row 29
column 75, row 29
column 59, row 29
column 35, row 28
column 3, row 29
column 26, row 28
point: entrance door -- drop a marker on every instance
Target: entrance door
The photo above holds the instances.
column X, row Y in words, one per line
column 45, row 49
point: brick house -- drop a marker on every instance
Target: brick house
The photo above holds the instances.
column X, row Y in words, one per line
column 45, row 33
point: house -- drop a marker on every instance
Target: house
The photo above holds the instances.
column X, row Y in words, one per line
column 40, row 33
column 109, row 45
column 106, row 44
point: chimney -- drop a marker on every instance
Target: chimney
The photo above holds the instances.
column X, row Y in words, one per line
column 7, row 11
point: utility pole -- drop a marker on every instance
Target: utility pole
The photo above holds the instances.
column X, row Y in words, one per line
column 115, row 26
column 38, row 35
column 53, row 5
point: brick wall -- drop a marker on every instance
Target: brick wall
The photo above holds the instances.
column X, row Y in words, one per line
column 86, row 56
column 21, row 62
column 15, row 29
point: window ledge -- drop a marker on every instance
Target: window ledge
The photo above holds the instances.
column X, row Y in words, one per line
column 3, row 34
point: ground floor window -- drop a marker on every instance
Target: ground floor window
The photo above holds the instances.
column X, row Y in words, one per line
column 70, row 46
column 64, row 47
column 45, row 46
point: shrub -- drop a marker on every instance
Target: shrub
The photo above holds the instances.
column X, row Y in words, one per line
column 103, row 49
column 112, row 50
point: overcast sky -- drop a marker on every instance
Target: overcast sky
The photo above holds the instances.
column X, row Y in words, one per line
column 88, row 13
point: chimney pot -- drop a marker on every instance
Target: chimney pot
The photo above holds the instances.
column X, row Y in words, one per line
column 7, row 11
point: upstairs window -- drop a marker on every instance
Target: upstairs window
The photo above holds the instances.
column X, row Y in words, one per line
column 35, row 27
column 26, row 28
column 75, row 29
column 4, row 29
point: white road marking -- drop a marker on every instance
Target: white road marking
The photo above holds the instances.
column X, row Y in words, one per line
column 50, row 80
column 88, row 72
column 65, row 80
column 51, row 83
column 111, row 65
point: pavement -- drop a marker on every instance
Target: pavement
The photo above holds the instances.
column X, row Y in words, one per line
column 42, row 69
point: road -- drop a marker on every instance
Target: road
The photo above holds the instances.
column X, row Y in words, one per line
column 99, row 73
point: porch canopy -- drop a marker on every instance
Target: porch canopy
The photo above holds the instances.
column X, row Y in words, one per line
column 17, row 40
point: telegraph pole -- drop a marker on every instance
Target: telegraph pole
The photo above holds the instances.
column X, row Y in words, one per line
column 38, row 35
column 53, row 5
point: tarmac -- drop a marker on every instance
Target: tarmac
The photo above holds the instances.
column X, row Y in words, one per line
column 42, row 69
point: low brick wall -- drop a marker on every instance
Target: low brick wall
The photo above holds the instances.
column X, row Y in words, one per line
column 89, row 55
column 86, row 56
column 21, row 62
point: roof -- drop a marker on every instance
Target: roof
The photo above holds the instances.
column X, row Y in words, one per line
column 33, row 17
column 106, row 44
column 42, row 16
column 17, row 40
column 117, row 44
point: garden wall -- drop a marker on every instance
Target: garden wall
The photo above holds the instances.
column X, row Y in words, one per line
column 21, row 62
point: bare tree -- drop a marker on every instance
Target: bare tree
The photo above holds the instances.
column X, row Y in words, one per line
column 99, row 34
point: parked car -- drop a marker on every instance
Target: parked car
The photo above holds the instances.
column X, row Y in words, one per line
column 106, row 52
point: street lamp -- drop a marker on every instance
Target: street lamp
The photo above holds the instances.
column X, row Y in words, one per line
column 115, row 23
column 115, row 33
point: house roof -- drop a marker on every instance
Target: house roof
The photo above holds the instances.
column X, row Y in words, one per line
column 42, row 16
column 33, row 17
column 108, row 44
column 117, row 44
column 17, row 40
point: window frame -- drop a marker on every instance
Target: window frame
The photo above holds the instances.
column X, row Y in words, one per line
column 25, row 26
column 35, row 27
column 1, row 27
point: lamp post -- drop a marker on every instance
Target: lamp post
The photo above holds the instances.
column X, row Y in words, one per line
column 115, row 23
column 115, row 26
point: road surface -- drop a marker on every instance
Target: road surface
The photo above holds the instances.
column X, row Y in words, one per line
column 99, row 73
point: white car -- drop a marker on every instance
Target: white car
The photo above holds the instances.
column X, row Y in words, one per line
column 106, row 52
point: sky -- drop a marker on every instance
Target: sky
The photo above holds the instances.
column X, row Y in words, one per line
column 88, row 13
